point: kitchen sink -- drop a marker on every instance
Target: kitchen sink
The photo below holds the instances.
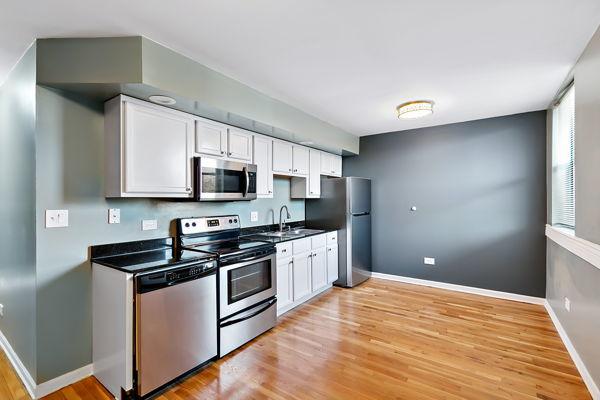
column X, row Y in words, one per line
column 292, row 233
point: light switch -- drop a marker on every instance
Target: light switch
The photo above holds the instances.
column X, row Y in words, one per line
column 149, row 224
column 114, row 215
column 254, row 216
column 57, row 218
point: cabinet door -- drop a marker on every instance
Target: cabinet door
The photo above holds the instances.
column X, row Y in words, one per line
column 211, row 138
column 301, row 275
column 239, row 145
column 325, row 163
column 285, row 295
column 314, row 175
column 282, row 157
column 332, row 263
column 263, row 153
column 300, row 160
column 157, row 154
column 319, row 268
column 336, row 165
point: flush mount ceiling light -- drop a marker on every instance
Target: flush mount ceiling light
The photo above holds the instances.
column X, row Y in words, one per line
column 415, row 109
column 163, row 100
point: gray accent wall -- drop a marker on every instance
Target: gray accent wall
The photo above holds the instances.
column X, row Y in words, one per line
column 17, row 209
column 572, row 277
column 70, row 131
column 480, row 192
column 568, row 275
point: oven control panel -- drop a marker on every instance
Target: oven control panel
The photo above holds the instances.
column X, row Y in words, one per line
column 190, row 226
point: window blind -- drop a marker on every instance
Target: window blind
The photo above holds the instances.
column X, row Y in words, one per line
column 563, row 161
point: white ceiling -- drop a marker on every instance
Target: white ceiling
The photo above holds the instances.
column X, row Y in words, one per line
column 348, row 62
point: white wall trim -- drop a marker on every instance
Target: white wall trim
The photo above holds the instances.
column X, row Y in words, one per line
column 43, row 389
column 51, row 386
column 465, row 289
column 14, row 359
column 582, row 248
column 585, row 375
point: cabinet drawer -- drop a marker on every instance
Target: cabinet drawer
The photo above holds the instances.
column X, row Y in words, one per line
column 332, row 238
column 318, row 241
column 284, row 250
column 301, row 245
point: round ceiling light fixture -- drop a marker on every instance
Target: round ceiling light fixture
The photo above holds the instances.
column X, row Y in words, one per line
column 415, row 109
column 162, row 100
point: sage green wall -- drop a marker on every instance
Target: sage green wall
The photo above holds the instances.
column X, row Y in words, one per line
column 17, row 209
column 568, row 275
column 104, row 67
column 70, row 132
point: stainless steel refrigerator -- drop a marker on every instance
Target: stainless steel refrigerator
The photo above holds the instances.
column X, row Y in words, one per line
column 345, row 204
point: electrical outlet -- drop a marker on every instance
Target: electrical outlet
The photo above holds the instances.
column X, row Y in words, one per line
column 114, row 216
column 428, row 261
column 57, row 218
column 149, row 224
column 1, row 310
column 567, row 304
column 254, row 216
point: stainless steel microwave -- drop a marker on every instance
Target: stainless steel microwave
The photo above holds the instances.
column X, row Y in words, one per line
column 221, row 180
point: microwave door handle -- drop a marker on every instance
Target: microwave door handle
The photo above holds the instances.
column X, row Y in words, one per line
column 247, row 178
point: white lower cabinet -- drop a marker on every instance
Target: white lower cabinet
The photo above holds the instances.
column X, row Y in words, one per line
column 332, row 263
column 301, row 275
column 319, row 268
column 303, row 270
column 285, row 292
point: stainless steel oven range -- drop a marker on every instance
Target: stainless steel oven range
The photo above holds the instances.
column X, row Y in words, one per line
column 247, row 278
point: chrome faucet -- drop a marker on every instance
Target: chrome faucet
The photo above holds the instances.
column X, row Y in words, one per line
column 281, row 220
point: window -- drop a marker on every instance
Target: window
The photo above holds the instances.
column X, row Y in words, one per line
column 563, row 161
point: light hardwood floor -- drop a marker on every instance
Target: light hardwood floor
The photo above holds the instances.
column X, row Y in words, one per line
column 389, row 340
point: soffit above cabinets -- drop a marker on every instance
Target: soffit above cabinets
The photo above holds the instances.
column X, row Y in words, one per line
column 101, row 68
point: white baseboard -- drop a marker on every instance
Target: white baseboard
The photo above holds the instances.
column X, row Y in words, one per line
column 585, row 374
column 45, row 388
column 20, row 369
column 51, row 386
column 465, row 289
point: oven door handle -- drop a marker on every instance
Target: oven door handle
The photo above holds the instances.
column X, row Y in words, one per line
column 253, row 312
column 247, row 179
column 262, row 257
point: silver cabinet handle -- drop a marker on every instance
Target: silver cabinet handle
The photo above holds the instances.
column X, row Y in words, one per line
column 222, row 152
column 328, row 249
column 290, row 170
column 230, row 153
column 310, row 256
column 188, row 189
column 284, row 251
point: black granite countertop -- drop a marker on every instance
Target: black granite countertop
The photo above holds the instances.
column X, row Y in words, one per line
column 144, row 255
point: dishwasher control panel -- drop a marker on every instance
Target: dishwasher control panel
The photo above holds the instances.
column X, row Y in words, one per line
column 150, row 281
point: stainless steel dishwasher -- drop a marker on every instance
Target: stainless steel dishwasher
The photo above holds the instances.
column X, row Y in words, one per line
column 176, row 322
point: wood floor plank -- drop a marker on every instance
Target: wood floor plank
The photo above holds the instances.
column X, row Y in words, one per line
column 385, row 340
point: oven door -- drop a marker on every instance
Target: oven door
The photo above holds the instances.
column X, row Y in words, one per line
column 216, row 180
column 246, row 283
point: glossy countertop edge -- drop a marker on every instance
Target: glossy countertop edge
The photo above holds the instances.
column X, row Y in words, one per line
column 270, row 239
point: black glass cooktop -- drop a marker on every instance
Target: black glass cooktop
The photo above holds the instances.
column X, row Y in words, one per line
column 230, row 246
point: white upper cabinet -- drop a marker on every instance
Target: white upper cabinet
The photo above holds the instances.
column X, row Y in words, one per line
column 211, row 138
column 282, row 157
column 148, row 150
column 314, row 174
column 331, row 164
column 325, row 163
column 263, row 158
column 300, row 160
column 239, row 145
column 336, row 165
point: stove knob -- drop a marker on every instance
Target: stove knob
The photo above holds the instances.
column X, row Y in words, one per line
column 193, row 224
column 187, row 224
column 230, row 221
column 235, row 220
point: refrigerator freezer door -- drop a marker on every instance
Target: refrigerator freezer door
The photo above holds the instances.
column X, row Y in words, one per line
column 359, row 267
column 359, row 195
